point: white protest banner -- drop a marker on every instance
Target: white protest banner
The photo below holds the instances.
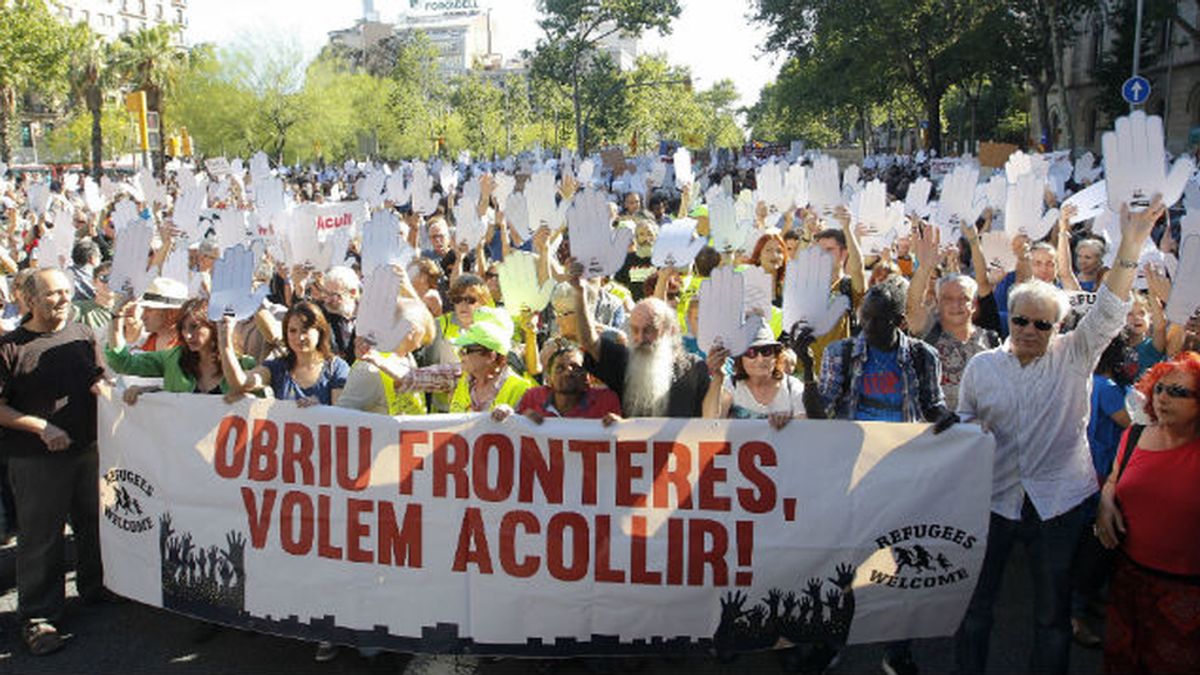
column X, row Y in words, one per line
column 331, row 216
column 459, row 534
column 217, row 166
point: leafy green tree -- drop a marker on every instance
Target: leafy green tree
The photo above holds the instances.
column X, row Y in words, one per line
column 211, row 102
column 924, row 45
column 573, row 30
column 92, row 78
column 1116, row 65
column 33, row 49
column 478, row 103
column 151, row 60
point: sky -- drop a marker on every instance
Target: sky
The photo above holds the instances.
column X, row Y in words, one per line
column 713, row 37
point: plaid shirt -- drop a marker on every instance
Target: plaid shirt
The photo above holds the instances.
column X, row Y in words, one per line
column 921, row 388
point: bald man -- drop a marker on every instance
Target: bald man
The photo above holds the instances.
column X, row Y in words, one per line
column 49, row 368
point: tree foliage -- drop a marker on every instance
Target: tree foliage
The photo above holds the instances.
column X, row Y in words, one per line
column 33, row 49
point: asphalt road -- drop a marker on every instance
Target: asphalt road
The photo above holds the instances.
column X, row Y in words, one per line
column 128, row 638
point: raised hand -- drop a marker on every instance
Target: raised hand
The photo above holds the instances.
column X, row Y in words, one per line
column 677, row 244
column 191, row 201
column 534, row 206
column 806, row 292
column 379, row 323
column 771, row 186
column 519, row 282
column 232, row 285
column 1135, row 166
column 421, row 188
column 845, row 576
column 594, row 242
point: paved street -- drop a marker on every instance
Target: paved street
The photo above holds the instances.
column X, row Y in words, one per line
column 131, row 638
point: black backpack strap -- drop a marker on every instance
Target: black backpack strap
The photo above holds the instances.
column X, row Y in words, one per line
column 1131, row 441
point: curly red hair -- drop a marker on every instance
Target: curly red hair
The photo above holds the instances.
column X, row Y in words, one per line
column 756, row 256
column 1186, row 362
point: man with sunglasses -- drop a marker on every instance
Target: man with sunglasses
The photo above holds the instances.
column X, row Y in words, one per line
column 1033, row 392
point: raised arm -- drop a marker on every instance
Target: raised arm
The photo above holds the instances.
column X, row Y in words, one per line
column 1135, row 228
column 240, row 382
column 1066, row 268
column 854, row 256
column 583, row 312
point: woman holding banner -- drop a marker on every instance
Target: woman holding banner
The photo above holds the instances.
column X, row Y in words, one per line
column 308, row 374
column 762, row 387
column 1150, row 512
column 191, row 367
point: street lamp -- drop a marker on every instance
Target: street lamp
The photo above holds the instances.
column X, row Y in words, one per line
column 581, row 142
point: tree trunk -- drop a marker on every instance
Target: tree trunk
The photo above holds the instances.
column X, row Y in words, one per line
column 8, row 113
column 158, row 152
column 1041, row 92
column 1056, row 46
column 864, row 130
column 580, row 139
column 95, row 103
column 933, row 113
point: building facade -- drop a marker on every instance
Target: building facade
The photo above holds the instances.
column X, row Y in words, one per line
column 1173, row 69
column 112, row 18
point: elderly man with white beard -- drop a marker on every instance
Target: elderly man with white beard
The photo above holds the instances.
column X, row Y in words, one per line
column 653, row 375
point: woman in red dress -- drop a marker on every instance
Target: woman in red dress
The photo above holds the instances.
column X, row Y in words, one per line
column 1150, row 512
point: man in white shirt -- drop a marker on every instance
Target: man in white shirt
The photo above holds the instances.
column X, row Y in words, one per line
column 1033, row 392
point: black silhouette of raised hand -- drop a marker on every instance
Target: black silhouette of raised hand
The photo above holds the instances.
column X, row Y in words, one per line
column 226, row 573
column 164, row 531
column 733, row 602
column 236, row 550
column 213, row 553
column 186, row 549
column 774, row 596
column 814, row 590
column 845, row 576
column 756, row 616
column 832, row 598
column 789, row 603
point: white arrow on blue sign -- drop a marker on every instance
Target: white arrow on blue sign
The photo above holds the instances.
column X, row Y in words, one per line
column 1136, row 90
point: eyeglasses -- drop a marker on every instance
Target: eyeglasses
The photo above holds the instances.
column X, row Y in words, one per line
column 491, row 275
column 1174, row 390
column 473, row 349
column 469, row 299
column 764, row 350
column 103, row 278
column 1022, row 321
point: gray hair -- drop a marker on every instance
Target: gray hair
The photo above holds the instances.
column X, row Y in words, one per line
column 969, row 285
column 1036, row 290
column 344, row 276
column 563, row 295
column 1096, row 244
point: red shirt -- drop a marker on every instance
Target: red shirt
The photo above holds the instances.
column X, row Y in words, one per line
column 596, row 403
column 1160, row 501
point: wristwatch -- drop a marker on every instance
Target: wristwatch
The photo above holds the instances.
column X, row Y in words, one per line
column 1127, row 264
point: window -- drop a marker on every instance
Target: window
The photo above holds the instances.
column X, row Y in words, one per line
column 159, row 14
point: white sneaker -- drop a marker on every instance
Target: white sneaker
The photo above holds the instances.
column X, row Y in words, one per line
column 442, row 664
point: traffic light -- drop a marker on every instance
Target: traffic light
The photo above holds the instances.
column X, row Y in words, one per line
column 135, row 102
column 173, row 146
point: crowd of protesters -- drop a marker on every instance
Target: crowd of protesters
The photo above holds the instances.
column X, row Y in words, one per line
column 932, row 332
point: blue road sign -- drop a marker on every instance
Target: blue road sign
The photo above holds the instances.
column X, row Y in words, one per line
column 1136, row 90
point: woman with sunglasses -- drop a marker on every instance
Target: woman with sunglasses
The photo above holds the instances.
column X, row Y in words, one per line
column 309, row 373
column 487, row 380
column 1150, row 513
column 762, row 387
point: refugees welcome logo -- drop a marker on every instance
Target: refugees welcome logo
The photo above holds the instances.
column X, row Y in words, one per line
column 921, row 557
column 122, row 506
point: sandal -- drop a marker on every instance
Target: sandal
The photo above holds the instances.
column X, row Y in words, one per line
column 42, row 638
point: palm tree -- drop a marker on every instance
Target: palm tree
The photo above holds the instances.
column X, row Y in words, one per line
column 151, row 60
column 92, row 76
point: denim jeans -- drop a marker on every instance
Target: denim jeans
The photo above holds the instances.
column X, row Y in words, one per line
column 1051, row 545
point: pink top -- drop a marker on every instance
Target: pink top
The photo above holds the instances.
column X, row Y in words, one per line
column 1159, row 497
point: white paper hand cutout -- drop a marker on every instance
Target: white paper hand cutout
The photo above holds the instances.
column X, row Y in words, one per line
column 1086, row 171
column 824, row 186
column 806, row 292
column 958, row 204
column 727, row 230
column 997, row 250
column 232, row 285
column 397, row 190
column 1089, row 202
column 1135, row 164
column 1025, row 211
column 1185, row 286
column 128, row 273
column 916, row 202
column 797, row 185
column 722, row 320
column 771, row 187
column 519, row 283
column 423, row 200
column 379, row 322
column 599, row 247
column 683, row 168
column 504, row 184
column 677, row 244
column 469, row 226
column 383, row 242
column 534, row 207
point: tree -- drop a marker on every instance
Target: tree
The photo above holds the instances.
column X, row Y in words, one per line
column 151, row 61
column 92, row 77
column 33, row 46
column 1116, row 65
column 573, row 30
column 478, row 102
column 925, row 45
